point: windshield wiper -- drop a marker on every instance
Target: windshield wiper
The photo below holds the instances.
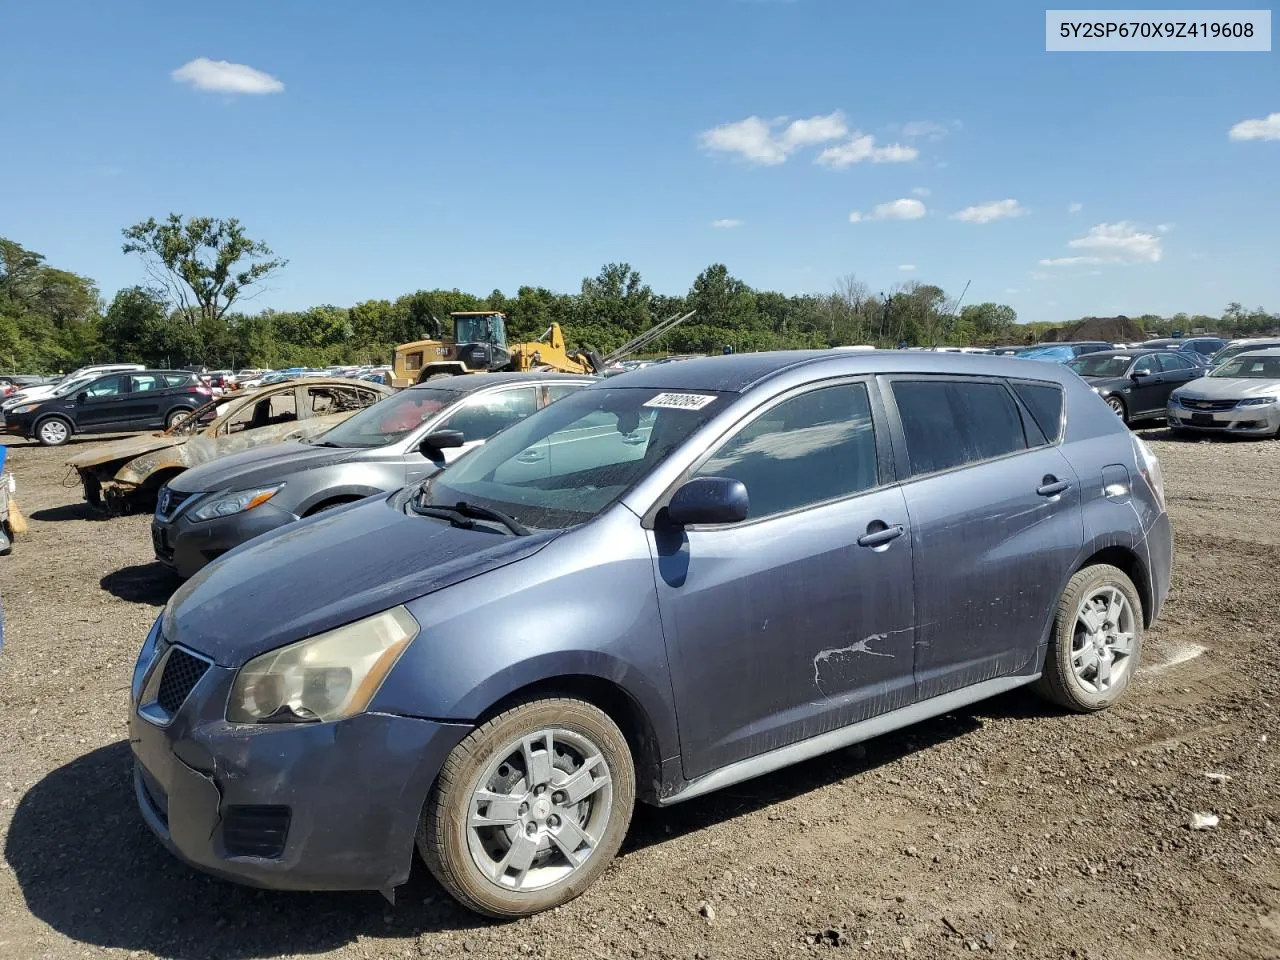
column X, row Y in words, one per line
column 464, row 515
column 322, row 443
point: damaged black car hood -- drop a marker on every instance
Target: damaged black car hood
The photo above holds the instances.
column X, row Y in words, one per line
column 326, row 571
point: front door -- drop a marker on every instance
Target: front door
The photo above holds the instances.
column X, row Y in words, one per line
column 798, row 620
column 996, row 524
column 104, row 405
column 478, row 418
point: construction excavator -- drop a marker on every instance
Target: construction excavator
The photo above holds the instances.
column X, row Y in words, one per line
column 478, row 344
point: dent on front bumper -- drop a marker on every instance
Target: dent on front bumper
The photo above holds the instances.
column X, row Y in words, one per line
column 1255, row 421
column 336, row 805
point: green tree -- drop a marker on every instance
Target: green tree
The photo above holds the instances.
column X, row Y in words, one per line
column 205, row 264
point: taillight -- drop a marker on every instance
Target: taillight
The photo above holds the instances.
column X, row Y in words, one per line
column 206, row 391
column 1149, row 467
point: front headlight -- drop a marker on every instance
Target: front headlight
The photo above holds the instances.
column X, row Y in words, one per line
column 1256, row 401
column 239, row 501
column 23, row 408
column 327, row 677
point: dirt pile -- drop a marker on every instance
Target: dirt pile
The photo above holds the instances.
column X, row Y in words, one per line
column 1111, row 329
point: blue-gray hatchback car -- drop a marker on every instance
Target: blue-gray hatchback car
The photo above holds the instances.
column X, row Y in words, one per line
column 666, row 583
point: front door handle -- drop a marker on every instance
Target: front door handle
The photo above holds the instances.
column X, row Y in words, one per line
column 1051, row 486
column 878, row 534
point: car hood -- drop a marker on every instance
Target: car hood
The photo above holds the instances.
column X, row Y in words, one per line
column 125, row 449
column 326, row 571
column 1229, row 388
column 29, row 395
column 258, row 466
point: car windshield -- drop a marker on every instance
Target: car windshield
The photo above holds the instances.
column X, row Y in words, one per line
column 1058, row 354
column 1250, row 367
column 1232, row 350
column 71, row 386
column 389, row 420
column 568, row 462
column 1101, row 366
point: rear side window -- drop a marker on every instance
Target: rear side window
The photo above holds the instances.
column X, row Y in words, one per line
column 948, row 424
column 1171, row 361
column 815, row 447
column 1044, row 402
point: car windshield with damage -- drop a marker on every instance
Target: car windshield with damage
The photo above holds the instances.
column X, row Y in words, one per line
column 568, row 462
column 389, row 420
column 1250, row 368
column 1096, row 366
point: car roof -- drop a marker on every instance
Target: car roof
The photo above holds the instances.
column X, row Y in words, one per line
column 737, row 373
column 470, row 382
column 1260, row 352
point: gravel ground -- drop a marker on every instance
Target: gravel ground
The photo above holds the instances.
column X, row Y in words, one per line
column 1005, row 829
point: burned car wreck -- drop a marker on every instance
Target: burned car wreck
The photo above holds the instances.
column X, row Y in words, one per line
column 128, row 473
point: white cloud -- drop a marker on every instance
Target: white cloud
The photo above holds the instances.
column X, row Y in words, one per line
column 993, row 210
column 923, row 128
column 1010, row 289
column 1121, row 242
column 1268, row 128
column 921, row 191
column 1075, row 208
column 903, row 209
column 726, row 223
column 907, row 267
column 220, row 76
column 769, row 142
column 863, row 147
column 1163, row 227
column 1070, row 261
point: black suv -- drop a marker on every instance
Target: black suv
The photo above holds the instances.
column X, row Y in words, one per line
column 111, row 403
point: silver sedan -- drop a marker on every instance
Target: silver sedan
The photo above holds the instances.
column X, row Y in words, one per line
column 1241, row 396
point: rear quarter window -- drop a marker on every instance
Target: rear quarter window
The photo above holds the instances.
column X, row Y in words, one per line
column 1044, row 402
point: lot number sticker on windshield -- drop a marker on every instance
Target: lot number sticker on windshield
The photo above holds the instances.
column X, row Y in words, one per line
column 680, row 401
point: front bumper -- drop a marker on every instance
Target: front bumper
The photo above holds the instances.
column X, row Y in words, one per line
column 335, row 805
column 185, row 545
column 1253, row 421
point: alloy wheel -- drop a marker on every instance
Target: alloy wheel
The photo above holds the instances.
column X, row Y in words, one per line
column 1103, row 643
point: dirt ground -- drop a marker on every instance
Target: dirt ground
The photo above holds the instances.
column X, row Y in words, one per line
column 1006, row 829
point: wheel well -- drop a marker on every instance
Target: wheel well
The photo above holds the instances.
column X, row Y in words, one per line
column 161, row 477
column 1127, row 561
column 619, row 705
column 55, row 416
column 332, row 502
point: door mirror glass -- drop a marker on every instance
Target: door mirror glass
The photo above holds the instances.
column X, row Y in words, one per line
column 709, row 500
column 431, row 445
column 81, row 396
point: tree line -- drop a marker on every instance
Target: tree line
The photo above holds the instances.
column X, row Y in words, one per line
column 202, row 272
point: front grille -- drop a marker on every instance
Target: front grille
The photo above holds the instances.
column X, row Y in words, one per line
column 169, row 501
column 1193, row 404
column 182, row 671
column 255, row 831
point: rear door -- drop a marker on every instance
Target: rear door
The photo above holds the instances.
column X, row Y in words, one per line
column 146, row 402
column 1176, row 370
column 995, row 521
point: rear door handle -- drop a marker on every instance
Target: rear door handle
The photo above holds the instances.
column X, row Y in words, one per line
column 880, row 536
column 1051, row 486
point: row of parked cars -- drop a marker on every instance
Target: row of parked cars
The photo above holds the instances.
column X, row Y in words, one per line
column 483, row 617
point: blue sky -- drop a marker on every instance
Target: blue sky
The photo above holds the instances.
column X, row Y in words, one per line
column 492, row 144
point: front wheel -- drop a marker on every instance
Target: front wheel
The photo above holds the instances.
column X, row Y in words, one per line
column 1118, row 408
column 1096, row 641
column 530, row 808
column 53, row 432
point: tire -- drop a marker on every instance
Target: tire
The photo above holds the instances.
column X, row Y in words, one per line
column 175, row 417
column 1117, row 406
column 53, row 431
column 1085, row 671
column 453, row 849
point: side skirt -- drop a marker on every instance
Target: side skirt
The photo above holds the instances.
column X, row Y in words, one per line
column 845, row 736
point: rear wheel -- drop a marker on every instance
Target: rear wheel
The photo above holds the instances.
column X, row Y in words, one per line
column 530, row 808
column 175, row 417
column 53, row 432
column 1096, row 642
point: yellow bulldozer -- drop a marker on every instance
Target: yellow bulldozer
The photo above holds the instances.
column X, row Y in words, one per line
column 479, row 345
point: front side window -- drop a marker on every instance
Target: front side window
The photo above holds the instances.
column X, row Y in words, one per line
column 1148, row 365
column 108, row 387
column 948, row 424
column 569, row 461
column 812, row 448
column 480, row 417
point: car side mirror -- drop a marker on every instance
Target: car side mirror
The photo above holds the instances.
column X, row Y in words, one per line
column 431, row 445
column 1139, row 374
column 82, row 396
column 709, row 500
